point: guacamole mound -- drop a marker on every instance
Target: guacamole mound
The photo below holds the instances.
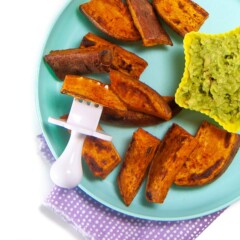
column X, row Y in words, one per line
column 211, row 80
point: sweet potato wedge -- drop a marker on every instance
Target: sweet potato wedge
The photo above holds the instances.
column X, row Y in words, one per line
column 215, row 151
column 139, row 96
column 173, row 151
column 101, row 156
column 135, row 165
column 147, row 23
column 123, row 60
column 133, row 118
column 92, row 90
column 111, row 17
column 182, row 16
column 79, row 61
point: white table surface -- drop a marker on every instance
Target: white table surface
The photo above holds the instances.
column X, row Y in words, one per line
column 24, row 177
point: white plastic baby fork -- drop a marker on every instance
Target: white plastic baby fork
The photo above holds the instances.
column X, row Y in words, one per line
column 66, row 171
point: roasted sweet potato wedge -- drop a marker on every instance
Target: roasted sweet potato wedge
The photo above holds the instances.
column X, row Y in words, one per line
column 92, row 90
column 130, row 118
column 135, row 165
column 101, row 156
column 123, row 60
column 112, row 17
column 147, row 23
column 215, row 151
column 133, row 118
column 138, row 96
column 173, row 151
column 80, row 61
column 183, row 16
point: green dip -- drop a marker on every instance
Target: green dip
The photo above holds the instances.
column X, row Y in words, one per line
column 211, row 81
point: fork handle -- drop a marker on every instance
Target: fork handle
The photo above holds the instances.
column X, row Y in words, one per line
column 66, row 171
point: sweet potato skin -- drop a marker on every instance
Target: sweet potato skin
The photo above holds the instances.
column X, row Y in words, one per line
column 79, row 61
column 173, row 151
column 111, row 17
column 137, row 119
column 128, row 118
column 139, row 96
column 183, row 16
column 91, row 90
column 135, row 165
column 215, row 151
column 147, row 23
column 123, row 60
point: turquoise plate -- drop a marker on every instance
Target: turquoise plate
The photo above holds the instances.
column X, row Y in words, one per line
column 166, row 65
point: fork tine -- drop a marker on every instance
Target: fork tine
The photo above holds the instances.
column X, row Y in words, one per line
column 85, row 114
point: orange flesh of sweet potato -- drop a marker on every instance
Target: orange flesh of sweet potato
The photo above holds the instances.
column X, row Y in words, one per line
column 215, row 151
column 139, row 96
column 91, row 90
column 183, row 16
column 101, row 156
column 133, row 118
column 173, row 151
column 135, row 165
column 79, row 61
column 123, row 60
column 112, row 17
column 147, row 23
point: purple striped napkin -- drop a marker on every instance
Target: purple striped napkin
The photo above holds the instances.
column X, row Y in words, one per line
column 98, row 222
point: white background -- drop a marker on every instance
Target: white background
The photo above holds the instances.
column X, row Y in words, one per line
column 24, row 177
